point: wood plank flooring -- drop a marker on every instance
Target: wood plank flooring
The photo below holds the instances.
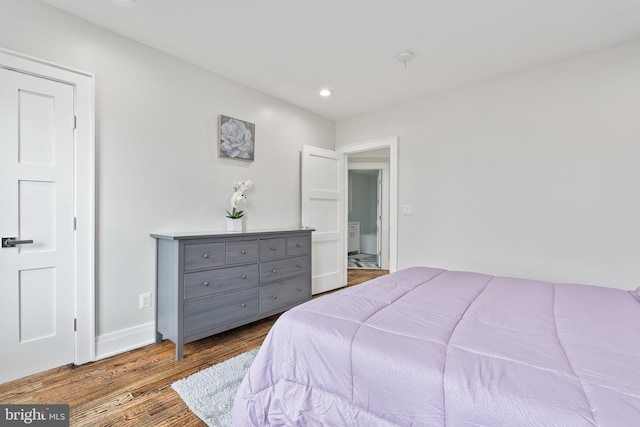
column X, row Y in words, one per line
column 134, row 388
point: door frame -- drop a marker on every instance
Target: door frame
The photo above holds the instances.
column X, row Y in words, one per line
column 84, row 187
column 390, row 142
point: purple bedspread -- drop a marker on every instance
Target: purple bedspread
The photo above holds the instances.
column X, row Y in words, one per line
column 430, row 347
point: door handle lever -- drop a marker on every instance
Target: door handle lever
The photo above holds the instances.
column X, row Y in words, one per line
column 11, row 242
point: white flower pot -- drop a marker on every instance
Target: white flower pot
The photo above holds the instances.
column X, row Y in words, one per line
column 234, row 224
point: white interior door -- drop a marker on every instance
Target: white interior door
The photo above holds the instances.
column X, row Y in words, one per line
column 322, row 198
column 37, row 284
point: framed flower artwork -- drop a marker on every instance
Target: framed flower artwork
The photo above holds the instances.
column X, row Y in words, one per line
column 236, row 138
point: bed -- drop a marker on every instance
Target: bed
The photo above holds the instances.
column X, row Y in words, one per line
column 430, row 347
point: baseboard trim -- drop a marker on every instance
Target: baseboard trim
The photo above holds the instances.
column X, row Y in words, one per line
column 124, row 340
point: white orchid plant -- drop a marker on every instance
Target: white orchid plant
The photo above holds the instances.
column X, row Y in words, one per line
column 239, row 196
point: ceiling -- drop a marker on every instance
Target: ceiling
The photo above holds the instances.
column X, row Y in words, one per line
column 290, row 49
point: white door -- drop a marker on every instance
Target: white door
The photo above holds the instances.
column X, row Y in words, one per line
column 37, row 285
column 322, row 198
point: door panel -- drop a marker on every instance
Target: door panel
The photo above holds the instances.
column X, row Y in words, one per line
column 37, row 213
column 37, row 290
column 322, row 178
column 36, row 143
column 37, row 284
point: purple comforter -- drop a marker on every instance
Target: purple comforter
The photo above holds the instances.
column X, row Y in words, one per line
column 429, row 347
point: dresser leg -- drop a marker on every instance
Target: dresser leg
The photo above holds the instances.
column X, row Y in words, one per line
column 179, row 352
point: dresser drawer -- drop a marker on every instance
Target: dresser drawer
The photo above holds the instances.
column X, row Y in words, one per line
column 297, row 245
column 245, row 251
column 203, row 255
column 218, row 310
column 209, row 282
column 281, row 269
column 282, row 294
column 272, row 249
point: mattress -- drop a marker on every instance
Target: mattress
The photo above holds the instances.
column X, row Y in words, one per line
column 430, row 347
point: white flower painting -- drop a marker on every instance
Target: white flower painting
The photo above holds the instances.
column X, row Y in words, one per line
column 237, row 139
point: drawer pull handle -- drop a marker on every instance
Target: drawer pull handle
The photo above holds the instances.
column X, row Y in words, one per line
column 205, row 256
column 298, row 245
column 273, row 249
column 205, row 283
column 243, row 252
column 243, row 305
column 244, row 276
column 275, row 297
column 299, row 289
column 274, row 271
column 299, row 265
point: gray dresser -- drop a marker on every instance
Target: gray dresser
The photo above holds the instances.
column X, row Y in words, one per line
column 209, row 283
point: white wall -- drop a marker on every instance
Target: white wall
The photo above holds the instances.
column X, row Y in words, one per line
column 157, row 165
column 534, row 175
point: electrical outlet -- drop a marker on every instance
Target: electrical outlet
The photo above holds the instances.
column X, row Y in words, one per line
column 145, row 300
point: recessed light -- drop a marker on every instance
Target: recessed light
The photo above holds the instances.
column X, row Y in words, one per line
column 325, row 92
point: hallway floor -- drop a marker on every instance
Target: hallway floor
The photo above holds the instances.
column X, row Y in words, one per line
column 362, row 261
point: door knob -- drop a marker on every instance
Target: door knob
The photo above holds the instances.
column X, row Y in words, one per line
column 11, row 242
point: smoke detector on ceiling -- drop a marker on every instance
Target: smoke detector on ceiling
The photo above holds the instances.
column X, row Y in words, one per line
column 404, row 57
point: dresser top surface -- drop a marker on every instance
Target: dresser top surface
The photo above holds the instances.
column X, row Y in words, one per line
column 179, row 235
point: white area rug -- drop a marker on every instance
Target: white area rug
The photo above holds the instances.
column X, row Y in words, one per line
column 210, row 392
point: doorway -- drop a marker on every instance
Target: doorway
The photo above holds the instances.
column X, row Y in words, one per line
column 323, row 183
column 365, row 216
column 380, row 154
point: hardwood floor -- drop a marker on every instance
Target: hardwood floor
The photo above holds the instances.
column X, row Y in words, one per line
column 134, row 388
column 356, row 276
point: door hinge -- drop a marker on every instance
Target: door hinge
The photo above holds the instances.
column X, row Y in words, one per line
column 75, row 223
column 74, row 122
column 75, row 325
